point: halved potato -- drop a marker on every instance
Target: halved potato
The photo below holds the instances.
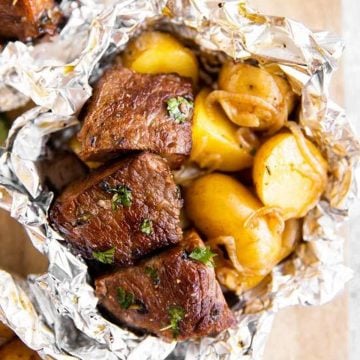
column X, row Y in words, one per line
column 289, row 175
column 240, row 282
column 230, row 215
column 216, row 143
column 156, row 52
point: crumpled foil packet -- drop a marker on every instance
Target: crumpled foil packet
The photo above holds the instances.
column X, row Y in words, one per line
column 56, row 313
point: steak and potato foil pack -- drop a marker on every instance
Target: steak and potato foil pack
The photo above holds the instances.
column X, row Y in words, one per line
column 56, row 313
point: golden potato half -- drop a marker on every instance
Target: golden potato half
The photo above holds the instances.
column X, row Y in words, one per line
column 228, row 213
column 216, row 143
column 156, row 52
column 289, row 174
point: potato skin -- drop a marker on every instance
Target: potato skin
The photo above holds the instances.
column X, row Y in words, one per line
column 237, row 79
column 289, row 96
column 240, row 282
column 283, row 177
column 214, row 139
column 156, row 52
column 248, row 79
column 253, row 97
column 16, row 350
column 219, row 205
column 244, row 78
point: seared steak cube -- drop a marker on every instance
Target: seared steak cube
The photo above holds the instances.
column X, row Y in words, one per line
column 131, row 111
column 120, row 213
column 26, row 19
column 171, row 295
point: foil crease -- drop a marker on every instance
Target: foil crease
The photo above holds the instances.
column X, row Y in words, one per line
column 55, row 313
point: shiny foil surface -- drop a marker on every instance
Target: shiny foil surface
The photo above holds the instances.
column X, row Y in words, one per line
column 55, row 313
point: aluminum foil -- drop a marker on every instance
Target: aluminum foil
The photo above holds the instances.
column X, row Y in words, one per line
column 56, row 313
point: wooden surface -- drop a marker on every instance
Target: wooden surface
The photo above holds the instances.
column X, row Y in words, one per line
column 299, row 334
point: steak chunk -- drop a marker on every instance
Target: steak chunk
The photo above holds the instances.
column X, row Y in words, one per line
column 120, row 213
column 131, row 111
column 170, row 295
column 26, row 19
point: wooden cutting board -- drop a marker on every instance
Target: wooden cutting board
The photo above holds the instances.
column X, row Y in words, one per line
column 300, row 333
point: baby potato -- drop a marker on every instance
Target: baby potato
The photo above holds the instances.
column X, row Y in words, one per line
column 288, row 95
column 240, row 282
column 215, row 141
column 16, row 350
column 224, row 210
column 156, row 52
column 248, row 79
column 253, row 97
column 283, row 84
column 289, row 173
column 249, row 95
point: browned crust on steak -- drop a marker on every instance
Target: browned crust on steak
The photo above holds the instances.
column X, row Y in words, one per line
column 84, row 214
column 181, row 282
column 27, row 19
column 128, row 111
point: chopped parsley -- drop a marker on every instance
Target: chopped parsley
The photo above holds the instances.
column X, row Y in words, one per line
column 268, row 170
column 176, row 314
column 204, row 255
column 146, row 227
column 153, row 274
column 124, row 298
column 179, row 108
column 122, row 195
column 105, row 257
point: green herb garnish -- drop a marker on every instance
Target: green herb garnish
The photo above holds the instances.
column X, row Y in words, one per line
column 124, row 298
column 179, row 108
column 268, row 170
column 153, row 273
column 105, row 257
column 176, row 314
column 122, row 196
column 204, row 255
column 146, row 227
